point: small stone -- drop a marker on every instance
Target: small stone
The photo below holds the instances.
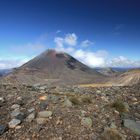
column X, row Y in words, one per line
column 113, row 125
column 137, row 115
column 45, row 114
column 135, row 103
column 43, row 105
column 31, row 110
column 15, row 106
column 134, row 99
column 104, row 99
column 41, row 120
column 68, row 103
column 38, row 127
column 59, row 121
column 31, row 117
column 98, row 91
column 20, row 102
column 116, row 112
column 3, row 129
column 57, row 138
column 95, row 114
column 13, row 123
column 19, row 98
column 21, row 116
column 2, row 100
column 43, row 88
column 86, row 121
column 15, row 113
column 18, row 127
column 43, row 98
column 83, row 113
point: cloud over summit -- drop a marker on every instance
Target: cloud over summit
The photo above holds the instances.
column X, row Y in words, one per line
column 100, row 58
column 71, row 44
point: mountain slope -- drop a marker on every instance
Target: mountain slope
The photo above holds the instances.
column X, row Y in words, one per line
column 131, row 77
column 108, row 71
column 57, row 68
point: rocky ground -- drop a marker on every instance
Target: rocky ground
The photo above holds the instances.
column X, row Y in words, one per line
column 69, row 113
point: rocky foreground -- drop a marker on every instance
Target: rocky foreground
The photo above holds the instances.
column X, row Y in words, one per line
column 69, row 113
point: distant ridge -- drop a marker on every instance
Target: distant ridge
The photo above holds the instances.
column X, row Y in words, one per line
column 4, row 72
column 108, row 71
column 130, row 77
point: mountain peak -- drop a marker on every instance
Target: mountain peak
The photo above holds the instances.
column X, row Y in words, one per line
column 54, row 53
column 51, row 51
column 56, row 67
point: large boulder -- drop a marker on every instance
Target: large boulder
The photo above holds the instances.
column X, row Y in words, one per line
column 132, row 125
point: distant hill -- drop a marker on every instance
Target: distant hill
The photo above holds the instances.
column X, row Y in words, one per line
column 53, row 67
column 130, row 77
column 108, row 71
column 4, row 72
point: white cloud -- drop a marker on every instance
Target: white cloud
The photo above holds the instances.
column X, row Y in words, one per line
column 92, row 59
column 99, row 58
column 68, row 43
column 59, row 41
column 68, row 40
column 86, row 43
column 71, row 39
column 12, row 63
column 122, row 61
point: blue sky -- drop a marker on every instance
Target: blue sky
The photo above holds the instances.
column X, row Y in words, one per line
column 96, row 32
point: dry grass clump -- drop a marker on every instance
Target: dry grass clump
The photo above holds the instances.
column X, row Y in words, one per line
column 96, row 85
column 80, row 100
column 77, row 100
column 119, row 106
column 111, row 134
column 86, row 100
column 74, row 100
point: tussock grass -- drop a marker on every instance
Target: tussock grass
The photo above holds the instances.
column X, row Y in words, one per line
column 74, row 100
column 119, row 106
column 111, row 134
column 86, row 100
